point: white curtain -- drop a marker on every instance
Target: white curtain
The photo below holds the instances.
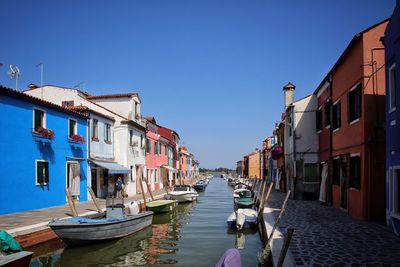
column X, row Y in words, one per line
column 324, row 177
column 74, row 179
column 277, row 179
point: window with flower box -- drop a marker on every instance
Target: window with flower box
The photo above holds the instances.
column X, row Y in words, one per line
column 72, row 128
column 39, row 120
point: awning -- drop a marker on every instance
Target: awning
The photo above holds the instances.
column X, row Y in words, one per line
column 113, row 168
column 169, row 168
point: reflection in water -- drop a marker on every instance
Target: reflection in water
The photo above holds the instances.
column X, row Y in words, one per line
column 194, row 234
column 240, row 239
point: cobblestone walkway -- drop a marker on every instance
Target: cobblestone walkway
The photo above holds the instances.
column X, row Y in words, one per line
column 325, row 236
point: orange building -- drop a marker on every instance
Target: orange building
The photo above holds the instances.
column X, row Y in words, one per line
column 255, row 164
column 357, row 166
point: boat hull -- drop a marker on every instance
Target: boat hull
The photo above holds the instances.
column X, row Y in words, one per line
column 75, row 233
column 187, row 197
column 161, row 206
column 18, row 259
column 199, row 187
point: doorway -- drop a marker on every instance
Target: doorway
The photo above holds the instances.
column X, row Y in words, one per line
column 94, row 181
column 73, row 180
column 343, row 184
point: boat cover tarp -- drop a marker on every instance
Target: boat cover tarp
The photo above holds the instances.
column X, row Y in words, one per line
column 89, row 220
column 113, row 168
column 8, row 244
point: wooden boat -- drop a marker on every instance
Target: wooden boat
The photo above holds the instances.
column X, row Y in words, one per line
column 200, row 185
column 81, row 230
column 242, row 218
column 17, row 259
column 183, row 193
column 162, row 205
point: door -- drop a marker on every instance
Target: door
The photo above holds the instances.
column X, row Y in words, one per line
column 74, row 178
column 94, row 181
column 343, row 184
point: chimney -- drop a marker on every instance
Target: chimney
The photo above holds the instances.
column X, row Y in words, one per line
column 288, row 90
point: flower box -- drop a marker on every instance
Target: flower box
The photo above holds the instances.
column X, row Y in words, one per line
column 46, row 133
column 77, row 138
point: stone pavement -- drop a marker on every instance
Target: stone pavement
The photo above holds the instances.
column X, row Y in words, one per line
column 325, row 236
column 35, row 220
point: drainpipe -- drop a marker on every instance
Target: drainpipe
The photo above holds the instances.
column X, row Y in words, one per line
column 294, row 153
column 330, row 189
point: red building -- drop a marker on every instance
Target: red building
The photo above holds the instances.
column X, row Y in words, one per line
column 351, row 116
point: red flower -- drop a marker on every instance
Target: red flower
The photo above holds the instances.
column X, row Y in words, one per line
column 78, row 138
column 48, row 133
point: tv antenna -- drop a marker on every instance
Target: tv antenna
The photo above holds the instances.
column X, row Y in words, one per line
column 14, row 72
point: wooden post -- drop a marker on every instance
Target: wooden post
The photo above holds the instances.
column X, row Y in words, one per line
column 285, row 247
column 262, row 195
column 149, row 189
column 264, row 201
column 141, row 187
column 71, row 202
column 99, row 210
column 279, row 218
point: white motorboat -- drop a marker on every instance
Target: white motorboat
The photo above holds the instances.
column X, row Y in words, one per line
column 183, row 193
column 242, row 218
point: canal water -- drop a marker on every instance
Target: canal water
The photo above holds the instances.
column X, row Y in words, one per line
column 195, row 234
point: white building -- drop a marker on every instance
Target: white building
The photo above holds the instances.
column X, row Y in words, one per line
column 116, row 134
column 301, row 145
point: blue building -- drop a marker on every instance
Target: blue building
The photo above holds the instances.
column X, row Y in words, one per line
column 44, row 151
column 392, row 59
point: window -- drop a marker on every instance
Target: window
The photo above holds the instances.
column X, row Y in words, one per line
column 107, row 133
column 148, row 146
column 155, row 148
column 160, row 146
column 131, row 137
column 395, row 191
column 72, row 130
column 136, row 110
column 392, row 87
column 354, row 103
column 141, row 140
column 336, row 172
column 327, row 109
column 66, row 104
column 355, row 176
column 42, row 172
column 319, row 119
column 95, row 128
column 336, row 118
column 39, row 119
column 311, row 173
column 155, row 175
column 165, row 150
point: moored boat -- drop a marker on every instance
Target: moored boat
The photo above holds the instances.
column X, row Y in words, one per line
column 161, row 206
column 243, row 198
column 200, row 185
column 100, row 227
column 183, row 193
column 242, row 218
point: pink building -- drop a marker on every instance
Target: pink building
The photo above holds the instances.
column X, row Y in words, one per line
column 156, row 155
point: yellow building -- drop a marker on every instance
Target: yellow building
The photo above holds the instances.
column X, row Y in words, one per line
column 254, row 164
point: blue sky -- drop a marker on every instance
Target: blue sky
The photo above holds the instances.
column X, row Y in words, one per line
column 213, row 70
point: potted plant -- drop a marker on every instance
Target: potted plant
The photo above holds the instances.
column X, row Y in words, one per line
column 78, row 138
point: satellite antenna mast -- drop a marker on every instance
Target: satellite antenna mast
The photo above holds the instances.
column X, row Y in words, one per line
column 14, row 72
column 41, row 78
